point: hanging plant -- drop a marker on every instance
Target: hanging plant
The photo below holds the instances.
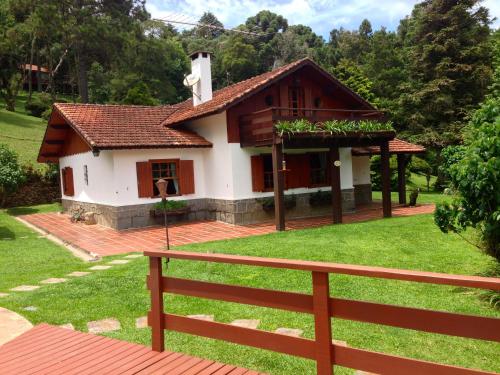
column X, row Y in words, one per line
column 331, row 126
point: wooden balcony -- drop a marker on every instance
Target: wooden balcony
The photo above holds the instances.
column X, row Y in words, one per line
column 257, row 128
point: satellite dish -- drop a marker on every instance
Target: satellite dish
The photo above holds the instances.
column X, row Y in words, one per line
column 191, row 79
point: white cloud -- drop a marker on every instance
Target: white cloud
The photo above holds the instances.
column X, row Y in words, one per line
column 320, row 15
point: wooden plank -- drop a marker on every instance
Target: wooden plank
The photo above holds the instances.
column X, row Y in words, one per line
column 181, row 370
column 322, row 323
column 144, row 365
column 492, row 283
column 470, row 326
column 135, row 361
column 288, row 301
column 155, row 320
column 132, row 357
column 334, row 156
column 224, row 370
column 43, row 333
column 299, row 347
column 161, row 362
column 386, row 179
column 279, row 207
column 211, row 369
column 199, row 367
column 380, row 363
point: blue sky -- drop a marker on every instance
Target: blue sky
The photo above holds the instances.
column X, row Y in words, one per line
column 320, row 15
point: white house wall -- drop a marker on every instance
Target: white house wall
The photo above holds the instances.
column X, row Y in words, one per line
column 361, row 170
column 100, row 177
column 124, row 185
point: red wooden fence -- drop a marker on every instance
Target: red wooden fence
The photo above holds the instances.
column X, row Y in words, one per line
column 323, row 307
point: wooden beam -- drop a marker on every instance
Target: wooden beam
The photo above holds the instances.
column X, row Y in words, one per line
column 279, row 207
column 386, row 179
column 59, row 126
column 54, row 141
column 322, row 323
column 155, row 320
column 335, row 182
column 402, row 159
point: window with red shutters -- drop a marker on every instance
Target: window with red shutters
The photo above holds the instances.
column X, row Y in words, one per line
column 257, row 169
column 179, row 175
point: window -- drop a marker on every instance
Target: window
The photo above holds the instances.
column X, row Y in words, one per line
column 86, row 174
column 319, row 171
column 68, row 187
column 296, row 100
column 269, row 100
column 268, row 172
column 169, row 171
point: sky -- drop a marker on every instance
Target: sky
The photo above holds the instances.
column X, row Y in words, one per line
column 321, row 15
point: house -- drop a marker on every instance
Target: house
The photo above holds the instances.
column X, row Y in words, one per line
column 220, row 151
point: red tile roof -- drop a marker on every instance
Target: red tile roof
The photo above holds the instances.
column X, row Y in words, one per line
column 396, row 146
column 230, row 95
column 127, row 126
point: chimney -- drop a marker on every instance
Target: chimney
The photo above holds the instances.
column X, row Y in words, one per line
column 200, row 66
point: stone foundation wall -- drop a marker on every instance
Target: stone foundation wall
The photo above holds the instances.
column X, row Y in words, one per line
column 245, row 211
column 363, row 194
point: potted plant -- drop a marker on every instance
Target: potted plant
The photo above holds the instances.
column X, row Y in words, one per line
column 290, row 201
column 173, row 208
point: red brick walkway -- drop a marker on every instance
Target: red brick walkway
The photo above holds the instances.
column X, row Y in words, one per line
column 106, row 241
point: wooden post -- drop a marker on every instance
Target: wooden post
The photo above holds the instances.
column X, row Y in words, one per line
column 386, row 179
column 322, row 323
column 335, row 182
column 402, row 178
column 279, row 209
column 156, row 323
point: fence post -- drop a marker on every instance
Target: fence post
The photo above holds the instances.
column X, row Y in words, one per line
column 322, row 323
column 157, row 322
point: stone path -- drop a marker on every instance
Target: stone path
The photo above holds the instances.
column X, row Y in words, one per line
column 53, row 280
column 99, row 268
column 104, row 325
column 25, row 288
column 246, row 323
column 12, row 325
column 78, row 274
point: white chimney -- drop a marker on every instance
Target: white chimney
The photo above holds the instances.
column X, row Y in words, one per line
column 200, row 67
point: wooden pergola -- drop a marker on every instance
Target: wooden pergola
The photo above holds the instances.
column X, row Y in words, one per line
column 257, row 129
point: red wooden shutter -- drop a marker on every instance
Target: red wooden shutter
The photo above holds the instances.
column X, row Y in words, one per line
column 257, row 163
column 186, row 177
column 144, row 179
column 298, row 171
column 70, row 186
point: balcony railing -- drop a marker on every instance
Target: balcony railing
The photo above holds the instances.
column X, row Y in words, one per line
column 257, row 128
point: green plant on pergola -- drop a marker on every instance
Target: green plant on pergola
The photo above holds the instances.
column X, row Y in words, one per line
column 331, row 126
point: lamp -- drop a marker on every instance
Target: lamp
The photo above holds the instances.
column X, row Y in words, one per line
column 96, row 152
column 161, row 184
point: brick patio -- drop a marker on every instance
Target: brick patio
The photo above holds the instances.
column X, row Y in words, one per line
column 106, row 241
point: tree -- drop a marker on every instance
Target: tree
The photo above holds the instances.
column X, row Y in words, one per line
column 352, row 76
column 448, row 60
column 140, row 95
column 11, row 173
column 239, row 59
column 214, row 32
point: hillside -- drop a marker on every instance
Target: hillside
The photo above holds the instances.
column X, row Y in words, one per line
column 21, row 132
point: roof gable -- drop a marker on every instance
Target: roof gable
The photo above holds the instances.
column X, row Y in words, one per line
column 234, row 94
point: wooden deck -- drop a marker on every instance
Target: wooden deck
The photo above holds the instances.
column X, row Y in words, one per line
column 46, row 349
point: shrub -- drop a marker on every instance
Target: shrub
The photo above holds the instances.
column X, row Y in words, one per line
column 11, row 173
column 320, row 198
column 170, row 205
column 38, row 105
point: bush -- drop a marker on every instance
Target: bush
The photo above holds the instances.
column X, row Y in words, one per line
column 320, row 198
column 38, row 105
column 170, row 205
column 11, row 173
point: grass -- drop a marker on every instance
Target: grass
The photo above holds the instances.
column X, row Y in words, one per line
column 409, row 243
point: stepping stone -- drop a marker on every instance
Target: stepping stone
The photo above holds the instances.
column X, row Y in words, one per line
column 246, row 323
column 78, row 274
column 99, row 268
column 25, row 288
column 68, row 326
column 53, row 280
column 290, row 332
column 104, row 325
column 208, row 318
column 119, row 261
column 141, row 322
column 3, row 295
column 30, row 308
column 132, row 256
column 340, row 343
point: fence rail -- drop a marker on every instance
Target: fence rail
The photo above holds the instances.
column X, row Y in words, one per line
column 323, row 307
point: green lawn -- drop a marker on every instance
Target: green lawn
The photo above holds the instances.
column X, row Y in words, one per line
column 410, row 243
